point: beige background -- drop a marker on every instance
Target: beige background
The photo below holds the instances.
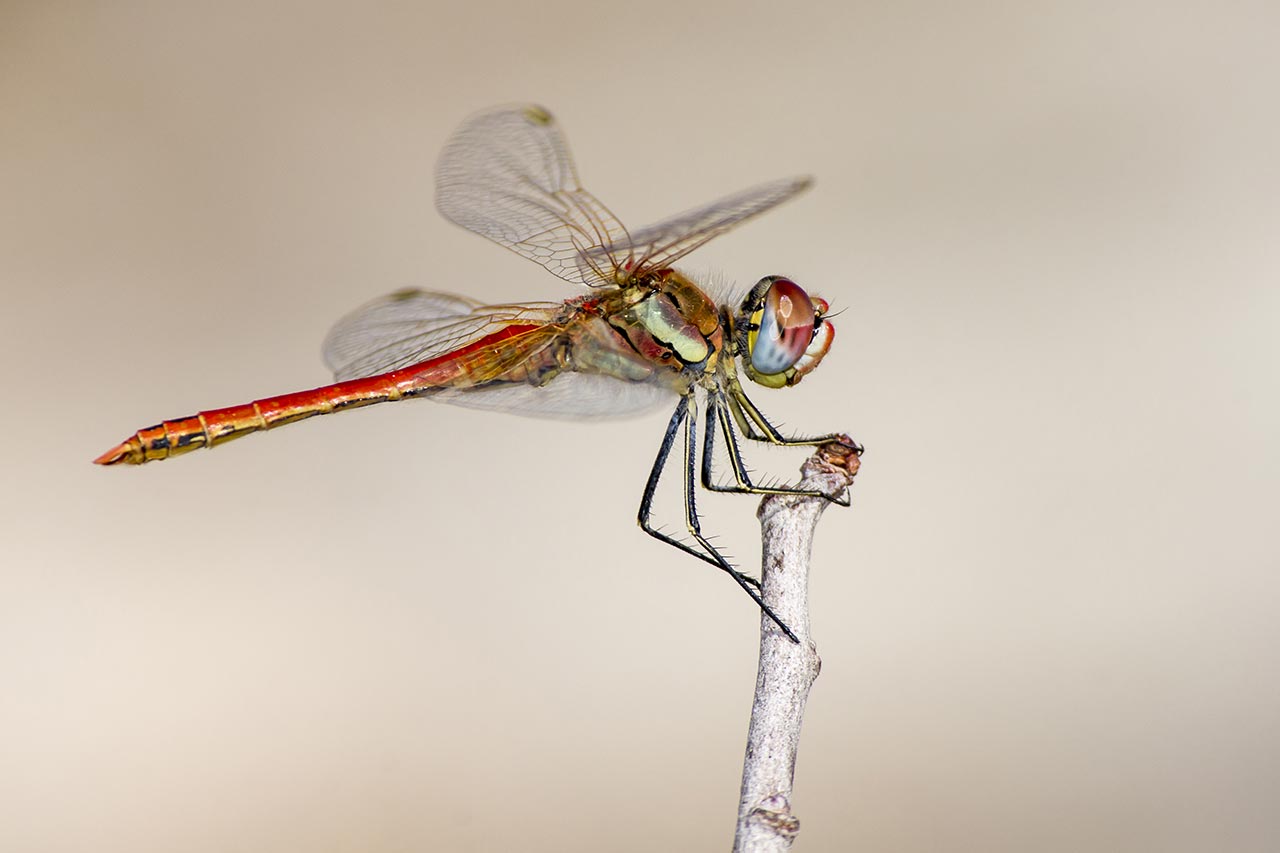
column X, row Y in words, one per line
column 1049, row 621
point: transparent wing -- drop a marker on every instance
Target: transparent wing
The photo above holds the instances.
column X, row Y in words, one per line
column 569, row 396
column 410, row 326
column 507, row 174
column 660, row 245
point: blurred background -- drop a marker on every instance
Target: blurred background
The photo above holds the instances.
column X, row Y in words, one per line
column 1048, row 622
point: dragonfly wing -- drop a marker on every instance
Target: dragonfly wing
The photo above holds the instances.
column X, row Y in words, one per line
column 410, row 326
column 569, row 396
column 507, row 174
column 660, row 245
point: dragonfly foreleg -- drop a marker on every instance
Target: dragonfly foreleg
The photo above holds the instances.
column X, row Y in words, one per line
column 745, row 413
column 686, row 416
column 750, row 418
column 717, row 416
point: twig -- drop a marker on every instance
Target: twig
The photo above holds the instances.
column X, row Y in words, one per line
column 787, row 669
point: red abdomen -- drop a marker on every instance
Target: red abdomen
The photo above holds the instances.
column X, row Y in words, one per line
column 505, row 355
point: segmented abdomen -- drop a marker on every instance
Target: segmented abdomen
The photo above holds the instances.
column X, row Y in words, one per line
column 510, row 354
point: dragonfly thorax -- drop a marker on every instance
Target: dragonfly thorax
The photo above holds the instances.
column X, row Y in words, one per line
column 661, row 330
column 671, row 322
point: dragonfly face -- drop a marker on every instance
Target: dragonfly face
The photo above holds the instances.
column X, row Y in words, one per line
column 642, row 334
column 785, row 333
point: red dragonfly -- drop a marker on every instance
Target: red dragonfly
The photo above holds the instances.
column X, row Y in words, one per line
column 642, row 334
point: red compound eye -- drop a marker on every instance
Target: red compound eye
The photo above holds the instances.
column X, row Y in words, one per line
column 786, row 323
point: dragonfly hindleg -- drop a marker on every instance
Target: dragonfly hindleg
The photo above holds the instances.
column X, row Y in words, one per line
column 685, row 415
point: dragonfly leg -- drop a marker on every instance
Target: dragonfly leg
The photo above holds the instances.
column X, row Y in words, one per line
column 750, row 418
column 756, row 426
column 718, row 417
column 685, row 416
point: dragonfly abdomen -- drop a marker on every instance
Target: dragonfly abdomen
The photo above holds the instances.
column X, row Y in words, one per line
column 217, row 426
column 516, row 353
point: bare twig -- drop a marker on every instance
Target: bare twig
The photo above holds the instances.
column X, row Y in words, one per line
column 787, row 669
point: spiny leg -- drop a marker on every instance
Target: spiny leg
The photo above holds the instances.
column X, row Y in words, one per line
column 718, row 417
column 678, row 418
column 743, row 409
column 691, row 521
column 737, row 402
column 684, row 415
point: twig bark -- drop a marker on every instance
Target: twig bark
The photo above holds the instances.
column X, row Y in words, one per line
column 787, row 669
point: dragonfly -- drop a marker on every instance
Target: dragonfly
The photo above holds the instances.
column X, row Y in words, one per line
column 641, row 334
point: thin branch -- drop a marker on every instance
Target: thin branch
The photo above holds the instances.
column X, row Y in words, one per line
column 787, row 669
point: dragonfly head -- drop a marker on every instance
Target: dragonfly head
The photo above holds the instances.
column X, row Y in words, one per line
column 783, row 332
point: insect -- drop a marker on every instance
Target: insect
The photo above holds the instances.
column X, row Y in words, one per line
column 643, row 333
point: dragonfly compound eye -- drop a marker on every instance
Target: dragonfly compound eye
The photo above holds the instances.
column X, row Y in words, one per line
column 783, row 328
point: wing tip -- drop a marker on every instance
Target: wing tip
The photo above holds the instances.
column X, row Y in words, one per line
column 537, row 114
column 797, row 183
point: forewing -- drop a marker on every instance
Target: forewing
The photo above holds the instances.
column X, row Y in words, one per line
column 507, row 174
column 660, row 245
column 411, row 326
